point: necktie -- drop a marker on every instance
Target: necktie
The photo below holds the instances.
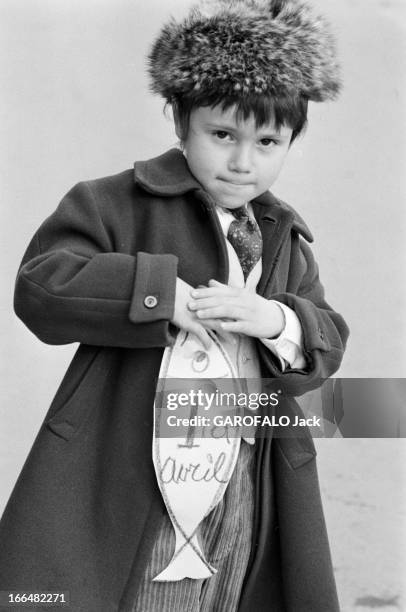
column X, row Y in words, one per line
column 245, row 236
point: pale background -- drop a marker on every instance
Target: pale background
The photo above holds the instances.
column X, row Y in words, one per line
column 75, row 106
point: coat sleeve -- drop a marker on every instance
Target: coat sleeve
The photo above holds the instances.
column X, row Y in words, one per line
column 325, row 332
column 72, row 286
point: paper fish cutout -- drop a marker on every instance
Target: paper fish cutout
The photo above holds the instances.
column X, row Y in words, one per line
column 192, row 472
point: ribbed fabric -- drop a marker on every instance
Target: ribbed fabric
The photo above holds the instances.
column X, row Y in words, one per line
column 226, row 540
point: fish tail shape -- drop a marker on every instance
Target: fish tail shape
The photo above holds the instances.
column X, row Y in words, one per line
column 188, row 561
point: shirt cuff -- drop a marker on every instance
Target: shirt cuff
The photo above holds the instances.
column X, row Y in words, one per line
column 288, row 346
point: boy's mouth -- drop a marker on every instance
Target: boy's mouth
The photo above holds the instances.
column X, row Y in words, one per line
column 236, row 183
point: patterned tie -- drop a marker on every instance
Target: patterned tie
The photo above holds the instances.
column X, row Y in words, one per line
column 245, row 236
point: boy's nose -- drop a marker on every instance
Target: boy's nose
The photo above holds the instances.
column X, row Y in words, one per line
column 240, row 160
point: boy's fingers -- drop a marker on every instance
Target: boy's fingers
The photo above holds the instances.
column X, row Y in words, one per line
column 230, row 311
column 209, row 302
column 233, row 326
column 222, row 290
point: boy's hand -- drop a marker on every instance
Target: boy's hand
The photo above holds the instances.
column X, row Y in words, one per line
column 250, row 313
column 186, row 319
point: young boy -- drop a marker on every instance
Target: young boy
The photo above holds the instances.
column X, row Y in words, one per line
column 193, row 241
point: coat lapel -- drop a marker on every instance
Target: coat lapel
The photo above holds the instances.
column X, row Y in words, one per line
column 275, row 223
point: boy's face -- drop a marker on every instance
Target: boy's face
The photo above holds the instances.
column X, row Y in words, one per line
column 233, row 161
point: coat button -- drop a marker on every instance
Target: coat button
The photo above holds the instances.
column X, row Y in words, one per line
column 321, row 334
column 150, row 301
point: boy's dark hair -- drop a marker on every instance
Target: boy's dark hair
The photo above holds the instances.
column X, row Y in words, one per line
column 290, row 111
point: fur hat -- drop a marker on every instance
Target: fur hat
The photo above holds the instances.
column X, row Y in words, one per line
column 241, row 47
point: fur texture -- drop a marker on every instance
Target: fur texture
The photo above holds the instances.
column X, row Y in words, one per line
column 242, row 47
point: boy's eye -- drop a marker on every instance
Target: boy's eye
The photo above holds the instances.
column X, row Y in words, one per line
column 221, row 134
column 267, row 142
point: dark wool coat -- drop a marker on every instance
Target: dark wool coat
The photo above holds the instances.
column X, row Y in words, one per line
column 84, row 511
